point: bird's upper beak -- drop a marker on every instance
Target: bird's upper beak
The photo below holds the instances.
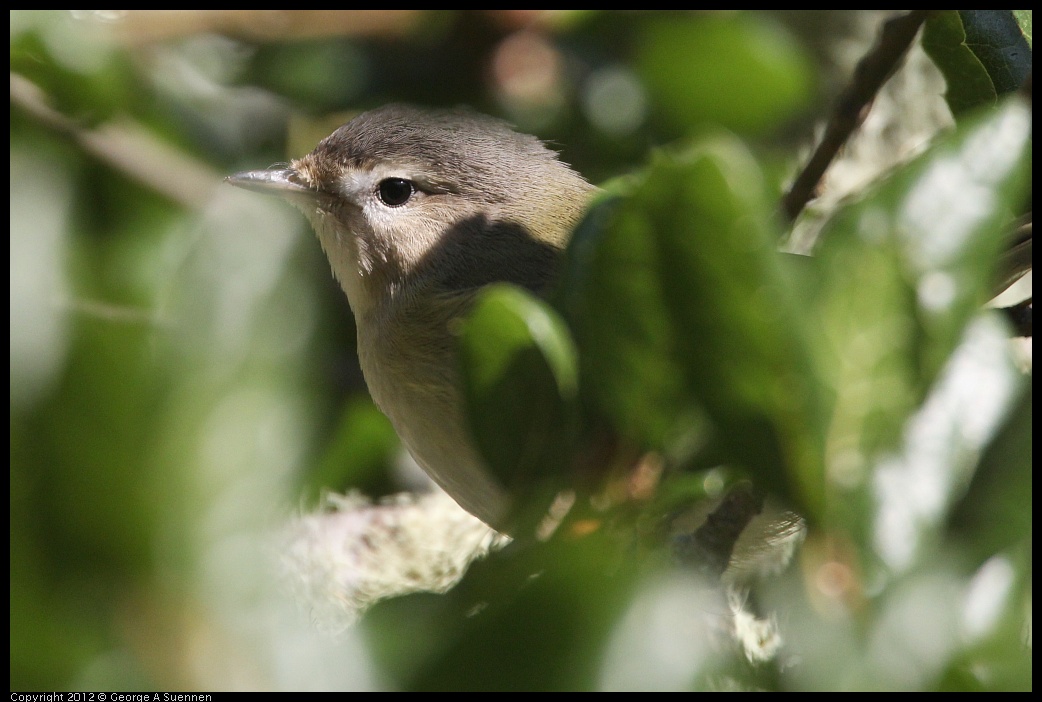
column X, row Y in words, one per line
column 282, row 182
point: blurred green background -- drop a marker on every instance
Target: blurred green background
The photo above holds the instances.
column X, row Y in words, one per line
column 183, row 376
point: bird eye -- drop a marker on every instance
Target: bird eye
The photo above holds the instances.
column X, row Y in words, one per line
column 396, row 191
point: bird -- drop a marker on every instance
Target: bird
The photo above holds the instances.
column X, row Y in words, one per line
column 417, row 210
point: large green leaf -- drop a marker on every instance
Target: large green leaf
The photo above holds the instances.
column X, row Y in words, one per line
column 538, row 617
column 681, row 304
column 1023, row 18
column 733, row 70
column 997, row 37
column 903, row 271
column 520, row 376
column 995, row 513
column 612, row 298
column 982, row 54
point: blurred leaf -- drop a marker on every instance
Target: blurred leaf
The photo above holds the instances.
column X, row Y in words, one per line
column 914, row 487
column 359, row 454
column 742, row 343
column 520, row 377
column 681, row 303
column 996, row 514
column 529, row 618
column 612, row 298
column 996, row 651
column 903, row 271
column 326, row 74
column 733, row 70
column 84, row 79
column 982, row 54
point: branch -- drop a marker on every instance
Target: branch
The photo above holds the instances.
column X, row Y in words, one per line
column 127, row 147
column 872, row 72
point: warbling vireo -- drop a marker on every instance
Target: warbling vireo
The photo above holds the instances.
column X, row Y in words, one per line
column 416, row 211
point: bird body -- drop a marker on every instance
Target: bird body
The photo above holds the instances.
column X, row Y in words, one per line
column 416, row 211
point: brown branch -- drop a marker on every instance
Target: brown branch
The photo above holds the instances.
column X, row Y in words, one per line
column 125, row 146
column 872, row 72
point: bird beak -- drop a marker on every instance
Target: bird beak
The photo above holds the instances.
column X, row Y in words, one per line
column 282, row 182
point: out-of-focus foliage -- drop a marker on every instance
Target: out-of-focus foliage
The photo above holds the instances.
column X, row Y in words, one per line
column 680, row 271
column 764, row 79
column 513, row 345
column 183, row 376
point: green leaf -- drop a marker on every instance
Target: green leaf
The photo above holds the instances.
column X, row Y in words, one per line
column 745, row 352
column 982, row 54
column 996, row 512
column 535, row 617
column 359, row 455
column 681, row 311
column 732, row 70
column 903, row 272
column 1023, row 18
column 969, row 84
column 995, row 36
column 612, row 298
column 87, row 81
column 520, row 377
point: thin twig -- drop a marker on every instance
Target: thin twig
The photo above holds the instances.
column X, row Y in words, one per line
column 126, row 146
column 872, row 72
